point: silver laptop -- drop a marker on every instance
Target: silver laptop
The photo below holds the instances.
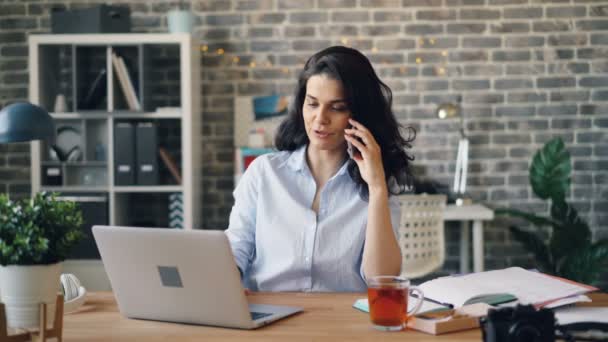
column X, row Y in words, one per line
column 185, row 276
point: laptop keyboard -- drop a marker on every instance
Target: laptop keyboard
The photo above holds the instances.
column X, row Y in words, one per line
column 258, row 315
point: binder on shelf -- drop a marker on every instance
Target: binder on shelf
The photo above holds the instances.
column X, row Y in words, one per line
column 146, row 157
column 52, row 175
column 124, row 153
column 125, row 81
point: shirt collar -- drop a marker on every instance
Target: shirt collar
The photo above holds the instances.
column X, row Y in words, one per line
column 297, row 162
column 297, row 159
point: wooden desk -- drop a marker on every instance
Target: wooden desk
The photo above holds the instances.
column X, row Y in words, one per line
column 466, row 213
column 326, row 317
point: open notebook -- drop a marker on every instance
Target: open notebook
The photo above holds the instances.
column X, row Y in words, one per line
column 528, row 287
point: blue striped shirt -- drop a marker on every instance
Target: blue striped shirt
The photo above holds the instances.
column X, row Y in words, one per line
column 281, row 244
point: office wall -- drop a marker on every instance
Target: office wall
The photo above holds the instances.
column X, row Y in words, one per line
column 527, row 70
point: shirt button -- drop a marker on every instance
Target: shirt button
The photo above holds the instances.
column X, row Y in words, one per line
column 306, row 259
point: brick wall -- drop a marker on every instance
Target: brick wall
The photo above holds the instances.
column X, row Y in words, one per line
column 526, row 70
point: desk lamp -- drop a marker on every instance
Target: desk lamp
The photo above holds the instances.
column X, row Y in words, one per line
column 451, row 110
column 23, row 121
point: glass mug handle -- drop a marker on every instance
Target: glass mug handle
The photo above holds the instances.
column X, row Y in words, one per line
column 420, row 300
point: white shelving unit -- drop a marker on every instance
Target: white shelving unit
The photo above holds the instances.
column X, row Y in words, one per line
column 59, row 55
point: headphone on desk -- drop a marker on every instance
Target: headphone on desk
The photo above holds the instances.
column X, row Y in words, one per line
column 73, row 292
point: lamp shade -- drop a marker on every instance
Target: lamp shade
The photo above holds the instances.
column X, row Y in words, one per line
column 23, row 121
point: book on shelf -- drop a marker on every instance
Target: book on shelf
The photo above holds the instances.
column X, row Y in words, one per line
column 170, row 164
column 126, row 84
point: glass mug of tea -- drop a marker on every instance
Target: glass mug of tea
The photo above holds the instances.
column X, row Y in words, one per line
column 388, row 298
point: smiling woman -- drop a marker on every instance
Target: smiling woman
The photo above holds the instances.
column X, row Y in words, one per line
column 309, row 217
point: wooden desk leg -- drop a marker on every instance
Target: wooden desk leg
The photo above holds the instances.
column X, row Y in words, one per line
column 478, row 246
column 464, row 247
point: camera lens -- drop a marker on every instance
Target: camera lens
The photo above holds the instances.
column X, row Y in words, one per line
column 524, row 332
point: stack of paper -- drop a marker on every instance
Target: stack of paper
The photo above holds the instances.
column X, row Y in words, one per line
column 527, row 286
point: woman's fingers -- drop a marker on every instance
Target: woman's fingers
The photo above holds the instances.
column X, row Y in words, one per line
column 357, row 143
column 357, row 125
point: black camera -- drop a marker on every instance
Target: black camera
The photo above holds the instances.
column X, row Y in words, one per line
column 521, row 323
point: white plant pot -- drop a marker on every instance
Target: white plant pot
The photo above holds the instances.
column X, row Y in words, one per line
column 23, row 288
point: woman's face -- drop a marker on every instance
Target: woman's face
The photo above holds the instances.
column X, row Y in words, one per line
column 325, row 113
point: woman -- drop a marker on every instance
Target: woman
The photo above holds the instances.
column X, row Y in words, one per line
column 310, row 217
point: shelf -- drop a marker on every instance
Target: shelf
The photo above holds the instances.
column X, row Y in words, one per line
column 111, row 39
column 157, row 188
column 74, row 188
column 116, row 115
column 79, row 163
column 165, row 74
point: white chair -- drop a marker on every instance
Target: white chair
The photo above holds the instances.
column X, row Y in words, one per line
column 421, row 234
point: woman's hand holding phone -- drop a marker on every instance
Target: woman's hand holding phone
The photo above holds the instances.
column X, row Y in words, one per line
column 365, row 151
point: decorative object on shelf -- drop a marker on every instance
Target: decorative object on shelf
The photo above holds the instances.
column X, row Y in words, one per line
column 100, row 151
column 95, row 19
column 448, row 111
column 61, row 105
column 23, row 121
column 244, row 156
column 176, row 210
column 270, row 113
column 256, row 137
column 180, row 20
column 36, row 236
column 270, row 106
column 569, row 251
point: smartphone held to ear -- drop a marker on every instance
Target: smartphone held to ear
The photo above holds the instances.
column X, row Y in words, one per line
column 351, row 150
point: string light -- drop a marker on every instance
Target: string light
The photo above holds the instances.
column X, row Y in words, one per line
column 374, row 49
column 204, row 48
column 220, row 51
column 344, row 41
column 235, row 59
column 444, row 53
column 252, row 64
column 418, row 60
column 441, row 70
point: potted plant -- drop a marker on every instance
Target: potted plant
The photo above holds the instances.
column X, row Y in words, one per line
column 568, row 250
column 36, row 235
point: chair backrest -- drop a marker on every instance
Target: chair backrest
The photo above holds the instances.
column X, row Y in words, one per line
column 421, row 234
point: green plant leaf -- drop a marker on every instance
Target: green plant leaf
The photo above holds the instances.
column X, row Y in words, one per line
column 570, row 233
column 534, row 219
column 585, row 265
column 536, row 245
column 41, row 230
column 550, row 171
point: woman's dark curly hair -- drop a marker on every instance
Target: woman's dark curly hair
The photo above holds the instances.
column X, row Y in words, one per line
column 370, row 102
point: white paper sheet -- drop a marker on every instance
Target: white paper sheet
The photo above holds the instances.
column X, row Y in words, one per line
column 529, row 287
column 582, row 314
